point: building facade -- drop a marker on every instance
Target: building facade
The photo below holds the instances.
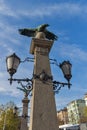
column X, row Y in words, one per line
column 62, row 116
column 85, row 98
column 76, row 111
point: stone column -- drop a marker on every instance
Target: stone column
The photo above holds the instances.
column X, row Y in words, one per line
column 43, row 114
column 24, row 118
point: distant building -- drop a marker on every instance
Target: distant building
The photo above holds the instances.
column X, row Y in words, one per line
column 76, row 111
column 85, row 98
column 62, row 116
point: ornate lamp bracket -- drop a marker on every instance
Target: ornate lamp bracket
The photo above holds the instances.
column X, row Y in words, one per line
column 58, row 85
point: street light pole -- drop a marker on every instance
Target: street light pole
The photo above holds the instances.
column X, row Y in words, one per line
column 24, row 117
column 43, row 110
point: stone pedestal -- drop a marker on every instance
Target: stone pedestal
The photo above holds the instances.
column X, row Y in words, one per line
column 43, row 114
column 24, row 118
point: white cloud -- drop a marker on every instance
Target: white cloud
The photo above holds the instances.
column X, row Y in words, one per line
column 6, row 48
column 8, row 32
column 72, row 51
column 6, row 10
column 8, row 38
column 61, row 9
column 64, row 9
column 6, row 89
column 67, row 8
column 62, row 102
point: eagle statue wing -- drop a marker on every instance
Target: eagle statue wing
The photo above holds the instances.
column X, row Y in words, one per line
column 42, row 28
column 51, row 36
column 27, row 32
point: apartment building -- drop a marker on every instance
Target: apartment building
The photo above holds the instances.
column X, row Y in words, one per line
column 62, row 116
column 75, row 111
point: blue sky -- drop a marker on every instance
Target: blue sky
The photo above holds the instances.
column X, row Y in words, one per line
column 68, row 20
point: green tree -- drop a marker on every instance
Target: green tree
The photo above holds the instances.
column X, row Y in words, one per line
column 8, row 120
column 85, row 111
column 83, row 118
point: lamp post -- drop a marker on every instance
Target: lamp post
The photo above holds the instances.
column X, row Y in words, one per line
column 41, row 84
column 12, row 64
column 24, row 117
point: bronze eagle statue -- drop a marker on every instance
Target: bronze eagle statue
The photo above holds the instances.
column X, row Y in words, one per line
column 42, row 28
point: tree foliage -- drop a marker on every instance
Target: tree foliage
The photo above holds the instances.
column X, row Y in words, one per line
column 84, row 116
column 85, row 111
column 8, row 120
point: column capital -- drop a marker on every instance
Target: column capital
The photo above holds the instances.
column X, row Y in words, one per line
column 42, row 43
column 25, row 100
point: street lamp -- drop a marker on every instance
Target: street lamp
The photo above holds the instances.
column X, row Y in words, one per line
column 13, row 62
column 66, row 69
